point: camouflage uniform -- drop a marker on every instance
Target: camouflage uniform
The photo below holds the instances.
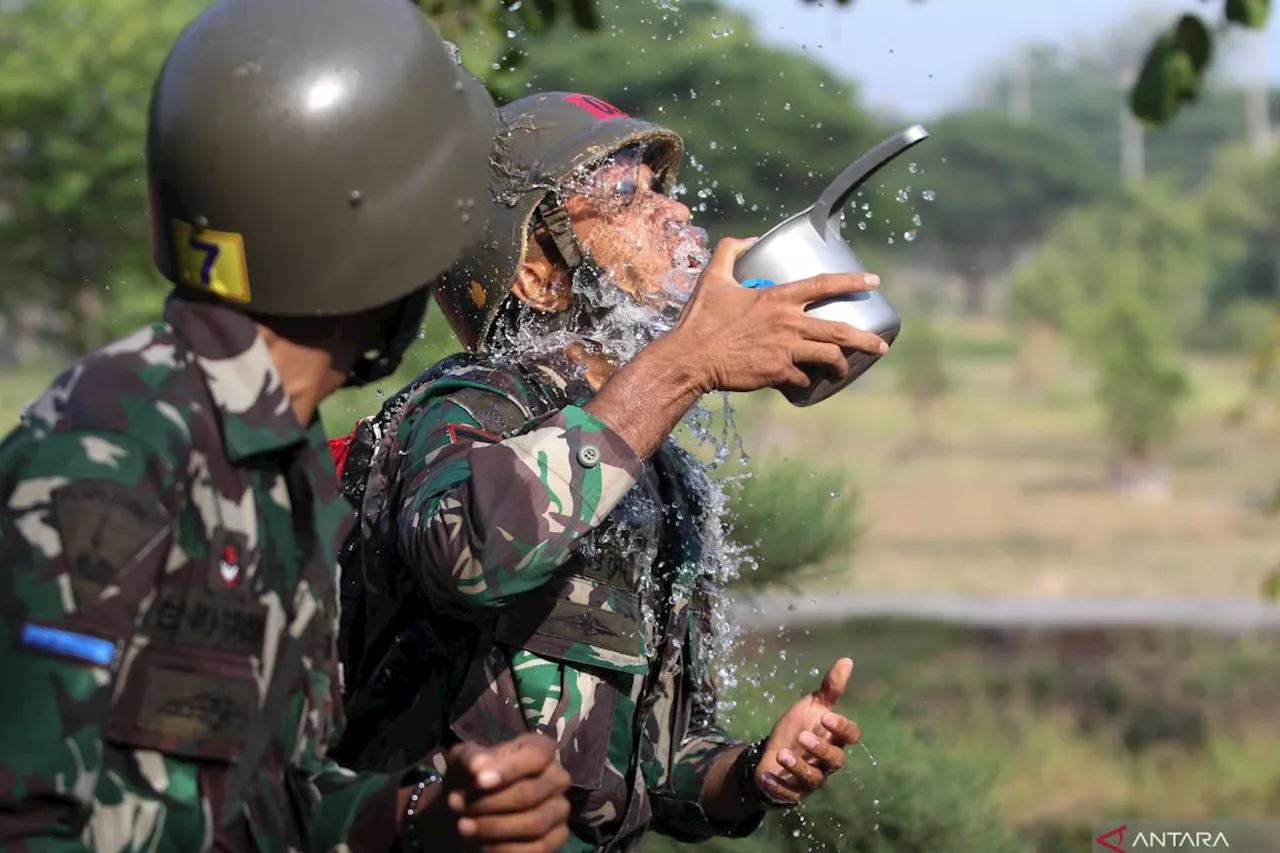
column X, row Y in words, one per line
column 168, row 531
column 545, row 579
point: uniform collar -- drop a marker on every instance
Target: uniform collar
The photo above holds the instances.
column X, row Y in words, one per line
column 253, row 410
column 559, row 378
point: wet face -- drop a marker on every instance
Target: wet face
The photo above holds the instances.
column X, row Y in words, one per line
column 643, row 239
column 649, row 256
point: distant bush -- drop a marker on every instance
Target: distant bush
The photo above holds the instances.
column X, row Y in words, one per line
column 919, row 796
column 791, row 516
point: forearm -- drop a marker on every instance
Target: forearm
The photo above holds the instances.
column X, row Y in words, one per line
column 645, row 400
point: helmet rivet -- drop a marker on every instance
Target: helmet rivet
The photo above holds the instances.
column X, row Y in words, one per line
column 201, row 222
column 356, row 198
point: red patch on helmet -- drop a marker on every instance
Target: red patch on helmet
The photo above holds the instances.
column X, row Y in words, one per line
column 598, row 108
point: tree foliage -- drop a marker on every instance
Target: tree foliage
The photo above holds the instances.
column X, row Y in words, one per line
column 1178, row 59
column 1123, row 280
column 999, row 187
column 1078, row 93
column 75, row 79
column 765, row 128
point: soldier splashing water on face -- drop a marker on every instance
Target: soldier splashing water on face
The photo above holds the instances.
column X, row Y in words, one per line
column 529, row 557
column 168, row 518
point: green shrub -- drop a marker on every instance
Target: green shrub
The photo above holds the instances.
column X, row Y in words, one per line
column 791, row 517
column 917, row 795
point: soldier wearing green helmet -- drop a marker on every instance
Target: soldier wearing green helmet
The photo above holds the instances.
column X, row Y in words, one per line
column 168, row 518
column 531, row 552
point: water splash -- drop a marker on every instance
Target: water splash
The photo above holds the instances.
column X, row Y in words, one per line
column 610, row 316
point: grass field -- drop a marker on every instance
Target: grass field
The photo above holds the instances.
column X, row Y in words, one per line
column 1045, row 733
column 1013, row 500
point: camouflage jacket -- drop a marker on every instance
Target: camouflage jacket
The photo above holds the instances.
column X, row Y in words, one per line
column 167, row 530
column 553, row 581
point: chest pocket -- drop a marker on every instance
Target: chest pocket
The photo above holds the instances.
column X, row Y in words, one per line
column 187, row 685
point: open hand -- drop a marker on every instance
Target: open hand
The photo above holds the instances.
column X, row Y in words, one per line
column 807, row 743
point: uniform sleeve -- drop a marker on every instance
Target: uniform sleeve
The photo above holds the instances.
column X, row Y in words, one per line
column 84, row 530
column 351, row 812
column 677, row 805
column 483, row 519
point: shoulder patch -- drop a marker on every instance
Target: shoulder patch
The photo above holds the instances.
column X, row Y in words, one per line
column 106, row 528
column 462, row 434
column 494, row 411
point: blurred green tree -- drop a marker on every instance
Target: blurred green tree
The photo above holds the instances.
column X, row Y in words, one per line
column 1077, row 92
column 999, row 187
column 1178, row 60
column 790, row 517
column 74, row 83
column 1124, row 281
column 922, row 375
column 765, row 128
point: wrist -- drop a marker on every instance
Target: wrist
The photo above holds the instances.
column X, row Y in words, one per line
column 421, row 794
column 687, row 371
column 749, row 787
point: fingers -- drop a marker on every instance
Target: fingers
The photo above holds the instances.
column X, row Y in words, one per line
column 805, row 777
column 785, row 791
column 842, row 334
column 844, row 732
column 490, row 767
column 824, row 286
column 478, row 763
column 523, row 756
column 826, row 755
column 837, row 680
column 522, row 796
column 525, row 826
column 828, row 355
column 726, row 254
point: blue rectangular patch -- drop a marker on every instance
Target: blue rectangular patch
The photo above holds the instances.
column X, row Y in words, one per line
column 83, row 647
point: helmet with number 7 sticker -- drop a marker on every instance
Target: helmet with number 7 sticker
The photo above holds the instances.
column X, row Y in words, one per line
column 312, row 158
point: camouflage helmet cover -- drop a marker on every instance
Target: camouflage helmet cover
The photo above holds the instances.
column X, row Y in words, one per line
column 544, row 139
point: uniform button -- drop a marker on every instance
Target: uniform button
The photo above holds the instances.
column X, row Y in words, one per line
column 589, row 456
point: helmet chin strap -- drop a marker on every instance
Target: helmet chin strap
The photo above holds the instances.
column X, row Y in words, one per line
column 559, row 225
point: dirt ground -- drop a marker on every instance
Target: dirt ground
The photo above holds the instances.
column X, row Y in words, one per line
column 1014, row 497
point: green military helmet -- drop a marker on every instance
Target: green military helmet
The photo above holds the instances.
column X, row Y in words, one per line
column 544, row 139
column 314, row 157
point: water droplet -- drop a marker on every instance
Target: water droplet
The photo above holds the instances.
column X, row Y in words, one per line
column 909, row 236
column 927, row 195
column 787, row 107
column 902, row 196
column 915, row 220
column 912, row 168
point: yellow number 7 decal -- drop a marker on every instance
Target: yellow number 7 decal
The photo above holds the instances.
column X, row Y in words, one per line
column 211, row 260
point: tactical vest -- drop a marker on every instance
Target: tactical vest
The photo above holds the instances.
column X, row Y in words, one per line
column 388, row 635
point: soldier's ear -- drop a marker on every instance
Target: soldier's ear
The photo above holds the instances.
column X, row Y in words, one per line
column 542, row 285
